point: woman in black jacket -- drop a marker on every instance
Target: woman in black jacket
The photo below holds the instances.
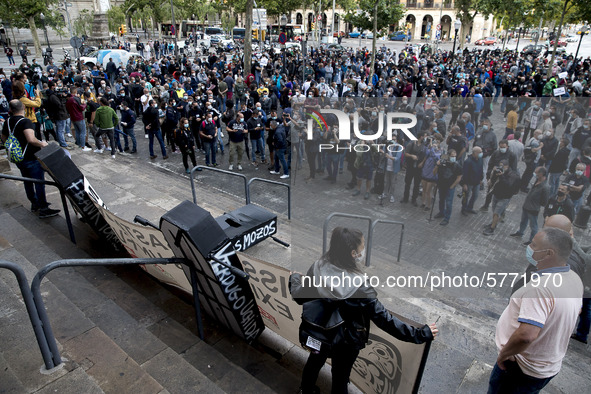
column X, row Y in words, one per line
column 184, row 139
column 357, row 306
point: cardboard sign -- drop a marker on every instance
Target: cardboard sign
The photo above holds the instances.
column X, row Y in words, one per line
column 563, row 75
column 558, row 91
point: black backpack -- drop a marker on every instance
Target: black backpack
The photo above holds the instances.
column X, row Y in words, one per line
column 322, row 326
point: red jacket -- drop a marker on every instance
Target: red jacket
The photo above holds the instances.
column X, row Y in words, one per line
column 75, row 108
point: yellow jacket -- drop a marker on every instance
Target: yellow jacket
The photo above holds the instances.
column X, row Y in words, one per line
column 30, row 106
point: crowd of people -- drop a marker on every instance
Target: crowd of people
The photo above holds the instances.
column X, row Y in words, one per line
column 488, row 122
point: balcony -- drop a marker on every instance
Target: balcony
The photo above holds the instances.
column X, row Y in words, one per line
column 446, row 5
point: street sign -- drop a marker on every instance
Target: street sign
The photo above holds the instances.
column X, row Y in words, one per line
column 438, row 26
column 282, row 38
column 438, row 34
column 259, row 15
column 76, row 42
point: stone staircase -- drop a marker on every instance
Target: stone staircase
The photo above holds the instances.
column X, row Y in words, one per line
column 117, row 329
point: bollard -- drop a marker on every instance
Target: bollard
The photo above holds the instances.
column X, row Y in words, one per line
column 582, row 217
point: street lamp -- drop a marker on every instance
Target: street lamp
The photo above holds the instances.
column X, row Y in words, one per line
column 457, row 27
column 518, row 37
column 45, row 30
column 583, row 32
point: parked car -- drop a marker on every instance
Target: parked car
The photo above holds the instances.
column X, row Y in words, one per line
column 398, row 36
column 486, row 41
column 101, row 57
column 534, row 50
column 571, row 38
column 354, row 34
column 561, row 43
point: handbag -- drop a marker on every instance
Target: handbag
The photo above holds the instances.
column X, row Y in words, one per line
column 322, row 326
column 13, row 147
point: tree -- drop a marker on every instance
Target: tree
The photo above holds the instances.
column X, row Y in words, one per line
column 467, row 10
column 83, row 24
column 116, row 17
column 375, row 15
column 26, row 14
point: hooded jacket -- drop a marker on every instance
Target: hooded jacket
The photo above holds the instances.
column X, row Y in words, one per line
column 358, row 305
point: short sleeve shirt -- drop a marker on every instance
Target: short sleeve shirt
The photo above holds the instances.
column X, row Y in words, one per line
column 18, row 124
column 573, row 180
column 238, row 134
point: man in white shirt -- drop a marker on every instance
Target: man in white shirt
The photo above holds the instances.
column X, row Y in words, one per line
column 145, row 99
column 534, row 330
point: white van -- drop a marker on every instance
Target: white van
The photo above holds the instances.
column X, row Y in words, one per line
column 101, row 57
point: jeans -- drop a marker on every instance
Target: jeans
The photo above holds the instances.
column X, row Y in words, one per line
column 514, row 381
column 221, row 141
column 258, row 144
column 554, row 182
column 131, row 134
column 342, row 363
column 209, row 147
column 80, row 127
column 577, row 204
column 531, row 218
column 35, row 191
column 471, row 196
column 61, row 130
column 280, row 158
column 446, row 200
column 412, row 175
column 498, row 89
column 332, row 164
column 11, row 61
column 585, row 320
column 158, row 134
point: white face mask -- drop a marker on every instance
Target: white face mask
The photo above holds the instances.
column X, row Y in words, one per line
column 360, row 257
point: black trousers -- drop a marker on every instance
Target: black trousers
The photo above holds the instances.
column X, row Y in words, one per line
column 188, row 153
column 412, row 175
column 342, row 363
column 311, row 156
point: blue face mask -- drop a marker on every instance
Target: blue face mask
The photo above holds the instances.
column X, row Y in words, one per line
column 480, row 155
column 529, row 254
column 452, row 159
column 579, row 173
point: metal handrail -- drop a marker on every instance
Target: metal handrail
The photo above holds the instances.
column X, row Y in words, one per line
column 62, row 195
column 23, row 284
column 373, row 227
column 274, row 183
column 55, row 358
column 199, row 168
column 346, row 215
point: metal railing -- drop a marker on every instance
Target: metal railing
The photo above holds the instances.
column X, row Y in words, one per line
column 247, row 184
column 252, row 180
column 373, row 227
column 48, row 346
column 370, row 231
column 199, row 168
column 62, row 195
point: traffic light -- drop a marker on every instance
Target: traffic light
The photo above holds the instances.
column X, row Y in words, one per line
column 123, row 29
column 255, row 34
column 313, row 26
column 120, row 32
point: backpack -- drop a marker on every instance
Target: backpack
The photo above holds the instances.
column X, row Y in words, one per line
column 13, row 147
column 322, row 326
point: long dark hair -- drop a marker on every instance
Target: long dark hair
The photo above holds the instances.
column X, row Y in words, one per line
column 342, row 241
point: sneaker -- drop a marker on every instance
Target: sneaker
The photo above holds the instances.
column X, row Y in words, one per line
column 108, row 148
column 98, row 151
column 285, row 176
column 153, row 157
column 69, row 135
column 231, row 168
column 239, row 167
column 366, row 196
column 112, row 156
column 133, row 151
column 444, row 222
column 215, row 164
column 146, row 135
column 427, row 209
column 86, row 149
column 188, row 171
column 47, row 213
column 274, row 172
column 126, row 149
column 516, row 235
column 488, row 231
column 164, row 157
column 473, row 212
column 484, row 208
column 391, row 198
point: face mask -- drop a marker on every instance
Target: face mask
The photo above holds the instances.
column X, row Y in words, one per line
column 503, row 150
column 209, row 107
column 452, row 159
column 547, row 134
column 579, row 172
column 186, row 97
column 374, row 114
column 485, row 128
column 480, row 155
column 529, row 254
column 360, row 257
column 539, row 137
column 186, row 125
column 586, row 127
column 561, row 194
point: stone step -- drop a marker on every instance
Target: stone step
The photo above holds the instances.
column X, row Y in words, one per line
column 138, row 326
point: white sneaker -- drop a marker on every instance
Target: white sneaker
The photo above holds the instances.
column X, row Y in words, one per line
column 274, row 172
column 98, row 151
column 239, row 167
column 69, row 135
column 391, row 198
column 231, row 167
column 112, row 156
column 147, row 136
column 109, row 148
column 284, row 176
column 86, row 149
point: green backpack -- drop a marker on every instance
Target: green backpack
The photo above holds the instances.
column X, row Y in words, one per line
column 13, row 147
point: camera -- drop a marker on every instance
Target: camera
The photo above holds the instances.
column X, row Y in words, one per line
column 498, row 170
column 444, row 160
